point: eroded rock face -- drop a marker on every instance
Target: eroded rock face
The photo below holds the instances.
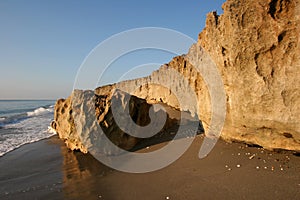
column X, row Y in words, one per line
column 255, row 46
column 92, row 112
column 64, row 125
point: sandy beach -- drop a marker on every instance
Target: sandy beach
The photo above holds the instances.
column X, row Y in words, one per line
column 48, row 170
column 91, row 76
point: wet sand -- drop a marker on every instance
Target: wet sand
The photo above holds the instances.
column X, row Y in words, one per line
column 48, row 170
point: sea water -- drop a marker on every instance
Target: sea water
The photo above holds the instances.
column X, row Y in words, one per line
column 23, row 122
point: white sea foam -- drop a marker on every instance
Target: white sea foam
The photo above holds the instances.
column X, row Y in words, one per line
column 40, row 111
column 2, row 119
column 51, row 130
column 29, row 130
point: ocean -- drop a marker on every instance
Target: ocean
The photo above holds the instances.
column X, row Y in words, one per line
column 23, row 122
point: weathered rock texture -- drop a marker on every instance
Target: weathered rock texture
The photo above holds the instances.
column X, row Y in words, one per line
column 102, row 111
column 255, row 46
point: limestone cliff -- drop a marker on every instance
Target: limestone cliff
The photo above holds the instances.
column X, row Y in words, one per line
column 255, row 46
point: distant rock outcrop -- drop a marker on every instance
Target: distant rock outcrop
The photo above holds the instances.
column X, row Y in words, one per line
column 255, row 46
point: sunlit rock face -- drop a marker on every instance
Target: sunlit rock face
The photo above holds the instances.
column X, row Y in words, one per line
column 255, row 47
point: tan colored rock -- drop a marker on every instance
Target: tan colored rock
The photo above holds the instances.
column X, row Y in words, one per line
column 64, row 125
column 255, row 46
column 92, row 112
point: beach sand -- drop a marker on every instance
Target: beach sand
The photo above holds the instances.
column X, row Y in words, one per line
column 48, row 170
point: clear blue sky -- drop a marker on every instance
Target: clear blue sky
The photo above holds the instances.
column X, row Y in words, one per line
column 43, row 43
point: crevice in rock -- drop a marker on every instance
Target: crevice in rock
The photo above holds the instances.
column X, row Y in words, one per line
column 254, row 145
column 272, row 48
column 287, row 135
column 272, row 8
column 256, row 58
column 278, row 6
column 223, row 51
column 225, row 64
column 281, row 36
column 272, row 73
column 216, row 17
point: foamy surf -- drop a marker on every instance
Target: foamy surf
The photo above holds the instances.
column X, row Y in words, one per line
column 28, row 131
column 51, row 130
column 31, row 126
column 40, row 111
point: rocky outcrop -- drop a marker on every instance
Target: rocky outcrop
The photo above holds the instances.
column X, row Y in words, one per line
column 255, row 46
column 77, row 137
column 63, row 124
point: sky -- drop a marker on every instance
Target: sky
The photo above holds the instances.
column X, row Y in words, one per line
column 44, row 43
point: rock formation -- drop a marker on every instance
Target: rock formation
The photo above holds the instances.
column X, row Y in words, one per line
column 139, row 111
column 255, row 46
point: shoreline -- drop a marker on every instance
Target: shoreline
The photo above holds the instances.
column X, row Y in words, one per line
column 47, row 138
column 48, row 170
